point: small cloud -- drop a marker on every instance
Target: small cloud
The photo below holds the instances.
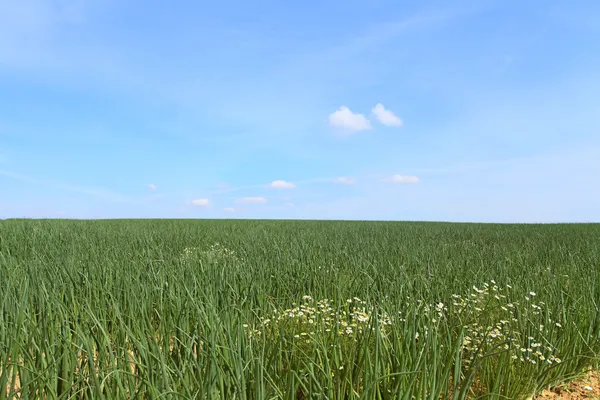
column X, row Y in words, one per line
column 152, row 186
column 282, row 185
column 222, row 186
column 346, row 180
column 402, row 179
column 229, row 209
column 290, row 204
column 200, row 202
column 252, row 200
column 346, row 119
column 386, row 117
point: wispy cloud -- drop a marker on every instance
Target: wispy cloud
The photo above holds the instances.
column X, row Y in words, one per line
column 109, row 60
column 152, row 186
column 281, row 185
column 229, row 209
column 252, row 200
column 346, row 180
column 29, row 33
column 348, row 121
column 386, row 117
column 97, row 193
column 401, row 179
column 200, row 202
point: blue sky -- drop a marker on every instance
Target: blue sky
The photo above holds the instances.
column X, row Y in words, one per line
column 358, row 109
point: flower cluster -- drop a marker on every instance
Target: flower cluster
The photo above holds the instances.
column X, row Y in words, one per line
column 314, row 317
column 215, row 253
column 490, row 321
column 493, row 323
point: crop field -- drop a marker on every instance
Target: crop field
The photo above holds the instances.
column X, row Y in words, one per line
column 185, row 309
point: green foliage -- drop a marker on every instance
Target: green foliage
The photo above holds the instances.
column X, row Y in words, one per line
column 294, row 309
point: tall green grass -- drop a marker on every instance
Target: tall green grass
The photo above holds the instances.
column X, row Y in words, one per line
column 294, row 310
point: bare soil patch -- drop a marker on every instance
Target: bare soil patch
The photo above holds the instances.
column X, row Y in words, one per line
column 585, row 388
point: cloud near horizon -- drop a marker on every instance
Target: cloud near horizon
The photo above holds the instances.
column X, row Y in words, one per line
column 281, row 185
column 200, row 202
column 401, row 179
column 252, row 200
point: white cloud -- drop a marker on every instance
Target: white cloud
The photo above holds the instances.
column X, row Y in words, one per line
column 229, row 209
column 282, row 185
column 152, row 186
column 386, row 117
column 346, row 119
column 252, row 200
column 402, row 179
column 200, row 202
column 346, row 180
column 222, row 186
column 290, row 204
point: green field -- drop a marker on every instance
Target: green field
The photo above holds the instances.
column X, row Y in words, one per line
column 295, row 309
